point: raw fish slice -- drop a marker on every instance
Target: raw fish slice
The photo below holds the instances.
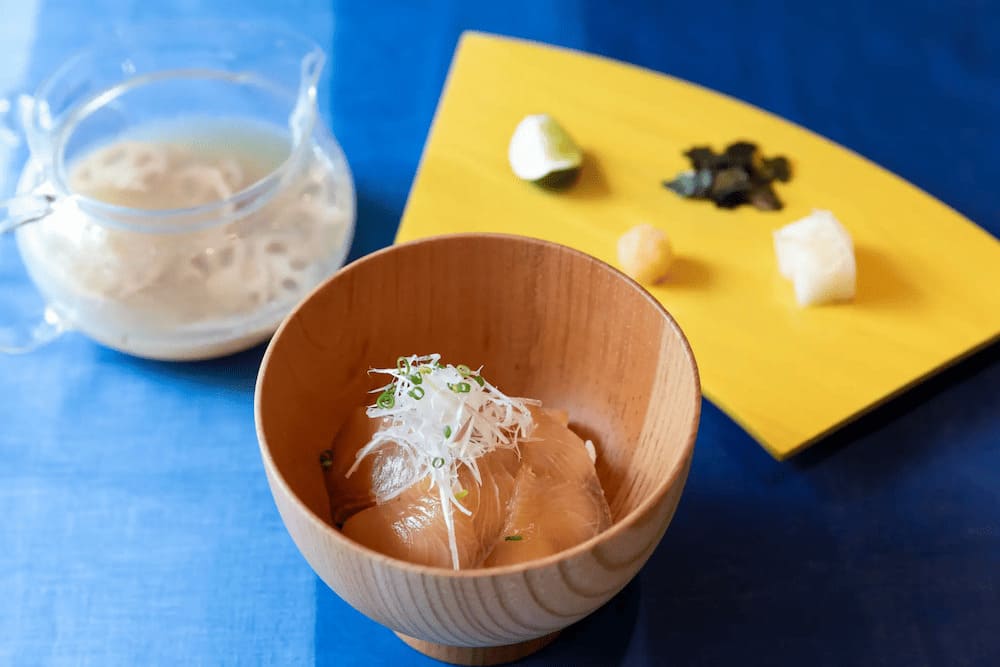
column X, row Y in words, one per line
column 412, row 527
column 558, row 502
column 548, row 500
column 350, row 495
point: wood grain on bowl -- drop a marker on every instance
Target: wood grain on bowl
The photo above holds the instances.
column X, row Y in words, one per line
column 545, row 321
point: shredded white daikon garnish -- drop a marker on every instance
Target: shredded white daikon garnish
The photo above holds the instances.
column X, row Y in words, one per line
column 440, row 417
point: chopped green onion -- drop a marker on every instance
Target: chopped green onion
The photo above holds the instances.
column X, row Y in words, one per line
column 326, row 458
column 386, row 400
column 513, row 538
column 458, row 438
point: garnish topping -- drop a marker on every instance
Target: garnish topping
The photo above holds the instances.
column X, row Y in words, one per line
column 439, row 424
column 326, row 458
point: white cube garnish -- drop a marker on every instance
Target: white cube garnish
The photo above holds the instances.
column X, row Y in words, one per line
column 816, row 253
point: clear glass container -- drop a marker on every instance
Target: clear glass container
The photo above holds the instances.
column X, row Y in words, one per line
column 217, row 271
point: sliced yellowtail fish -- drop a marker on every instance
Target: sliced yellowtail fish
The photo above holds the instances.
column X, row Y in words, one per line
column 542, row 152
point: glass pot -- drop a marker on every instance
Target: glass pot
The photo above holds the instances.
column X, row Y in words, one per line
column 191, row 281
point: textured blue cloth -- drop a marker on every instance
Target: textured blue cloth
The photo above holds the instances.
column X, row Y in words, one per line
column 136, row 527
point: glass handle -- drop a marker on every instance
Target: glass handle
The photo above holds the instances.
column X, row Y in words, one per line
column 25, row 334
column 25, row 338
column 23, row 209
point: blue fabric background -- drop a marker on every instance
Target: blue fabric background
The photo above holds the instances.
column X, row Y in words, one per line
column 135, row 522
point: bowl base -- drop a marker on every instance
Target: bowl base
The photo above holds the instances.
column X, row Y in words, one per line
column 478, row 655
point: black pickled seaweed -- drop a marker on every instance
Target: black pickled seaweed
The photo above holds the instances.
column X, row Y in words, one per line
column 702, row 157
column 763, row 198
column 777, row 168
column 739, row 175
column 691, row 183
column 730, row 187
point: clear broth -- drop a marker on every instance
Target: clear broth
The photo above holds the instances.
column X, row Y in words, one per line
column 182, row 163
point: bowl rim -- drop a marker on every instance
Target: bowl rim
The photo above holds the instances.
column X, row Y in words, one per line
column 616, row 528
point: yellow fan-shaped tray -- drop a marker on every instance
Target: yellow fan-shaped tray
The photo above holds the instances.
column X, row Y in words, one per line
column 928, row 279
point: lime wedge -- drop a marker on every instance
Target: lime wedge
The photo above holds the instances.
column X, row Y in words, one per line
column 542, row 152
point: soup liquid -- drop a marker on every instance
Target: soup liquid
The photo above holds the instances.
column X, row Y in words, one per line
column 204, row 291
column 179, row 164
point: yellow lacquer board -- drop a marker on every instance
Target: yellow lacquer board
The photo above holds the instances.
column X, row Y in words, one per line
column 928, row 279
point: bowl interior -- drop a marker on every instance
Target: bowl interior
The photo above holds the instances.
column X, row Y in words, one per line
column 544, row 320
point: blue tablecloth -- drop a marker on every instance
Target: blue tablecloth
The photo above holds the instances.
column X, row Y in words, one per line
column 136, row 527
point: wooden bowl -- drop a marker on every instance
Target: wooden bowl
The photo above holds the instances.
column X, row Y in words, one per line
column 547, row 322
